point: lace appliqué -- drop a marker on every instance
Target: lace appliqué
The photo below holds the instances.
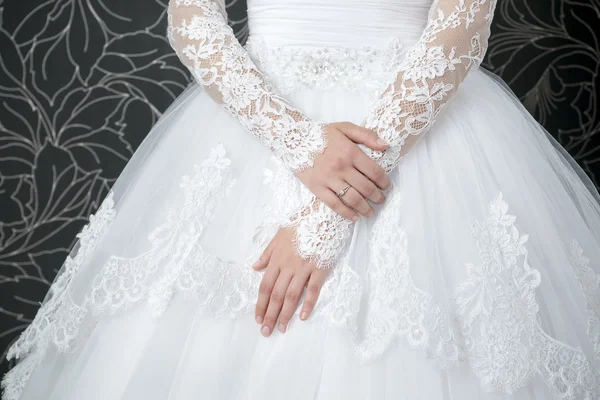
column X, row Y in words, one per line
column 199, row 33
column 125, row 281
column 290, row 68
column 497, row 305
column 321, row 235
column 497, row 309
column 590, row 285
column 396, row 306
column 428, row 77
column 58, row 320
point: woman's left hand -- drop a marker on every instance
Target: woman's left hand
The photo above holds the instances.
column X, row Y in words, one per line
column 283, row 283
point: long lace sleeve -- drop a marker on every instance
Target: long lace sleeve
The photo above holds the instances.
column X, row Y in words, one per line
column 453, row 43
column 206, row 44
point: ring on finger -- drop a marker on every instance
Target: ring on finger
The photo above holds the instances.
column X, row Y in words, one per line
column 342, row 192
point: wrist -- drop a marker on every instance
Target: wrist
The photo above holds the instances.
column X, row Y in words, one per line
column 300, row 142
column 322, row 235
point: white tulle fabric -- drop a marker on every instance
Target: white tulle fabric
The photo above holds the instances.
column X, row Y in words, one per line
column 477, row 279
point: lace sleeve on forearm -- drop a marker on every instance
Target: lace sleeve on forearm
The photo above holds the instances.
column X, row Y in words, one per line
column 206, row 44
column 453, row 43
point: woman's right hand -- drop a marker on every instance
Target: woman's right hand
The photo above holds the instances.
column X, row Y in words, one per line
column 343, row 163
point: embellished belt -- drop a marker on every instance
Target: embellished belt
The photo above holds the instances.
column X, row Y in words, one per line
column 289, row 68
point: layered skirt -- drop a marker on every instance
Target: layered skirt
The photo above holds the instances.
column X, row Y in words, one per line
column 478, row 278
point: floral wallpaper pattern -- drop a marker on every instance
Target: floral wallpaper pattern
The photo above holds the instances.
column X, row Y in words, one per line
column 83, row 81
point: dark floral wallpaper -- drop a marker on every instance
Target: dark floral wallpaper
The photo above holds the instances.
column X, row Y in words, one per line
column 83, row 81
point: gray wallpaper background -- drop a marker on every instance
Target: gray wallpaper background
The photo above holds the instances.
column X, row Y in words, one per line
column 83, row 81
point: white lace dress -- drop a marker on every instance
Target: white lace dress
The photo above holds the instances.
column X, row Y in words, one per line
column 479, row 278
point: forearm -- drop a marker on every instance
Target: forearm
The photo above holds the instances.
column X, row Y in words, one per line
column 453, row 43
column 206, row 44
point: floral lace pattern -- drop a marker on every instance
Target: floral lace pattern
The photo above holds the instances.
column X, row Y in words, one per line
column 321, row 234
column 289, row 68
column 453, row 43
column 58, row 320
column 498, row 312
column 199, row 33
column 396, row 306
column 590, row 284
column 566, row 370
column 125, row 281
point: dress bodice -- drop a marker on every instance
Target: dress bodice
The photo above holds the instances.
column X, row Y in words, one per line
column 346, row 23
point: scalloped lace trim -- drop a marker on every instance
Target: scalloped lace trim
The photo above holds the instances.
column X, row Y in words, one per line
column 590, row 285
column 496, row 330
column 397, row 307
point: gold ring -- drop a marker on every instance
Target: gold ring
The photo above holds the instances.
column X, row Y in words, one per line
column 343, row 191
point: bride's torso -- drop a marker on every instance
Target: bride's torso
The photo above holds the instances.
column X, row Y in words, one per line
column 346, row 23
column 340, row 44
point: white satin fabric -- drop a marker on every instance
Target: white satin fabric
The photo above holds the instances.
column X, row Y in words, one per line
column 346, row 23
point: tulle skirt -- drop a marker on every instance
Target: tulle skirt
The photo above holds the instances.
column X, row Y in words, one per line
column 478, row 278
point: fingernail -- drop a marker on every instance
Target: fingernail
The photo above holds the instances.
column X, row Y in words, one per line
column 303, row 315
column 258, row 319
column 265, row 330
column 281, row 328
column 355, row 218
column 256, row 264
column 371, row 213
column 381, row 141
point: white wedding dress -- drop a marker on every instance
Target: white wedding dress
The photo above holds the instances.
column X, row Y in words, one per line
column 478, row 278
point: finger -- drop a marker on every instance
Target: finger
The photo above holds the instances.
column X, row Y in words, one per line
column 369, row 168
column 360, row 134
column 356, row 201
column 332, row 201
column 264, row 292
column 365, row 187
column 313, row 289
column 292, row 297
column 264, row 258
column 276, row 302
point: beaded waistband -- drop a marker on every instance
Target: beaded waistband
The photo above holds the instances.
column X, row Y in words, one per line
column 289, row 68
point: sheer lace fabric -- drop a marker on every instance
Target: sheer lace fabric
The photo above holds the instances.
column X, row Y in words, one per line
column 453, row 43
column 200, row 35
